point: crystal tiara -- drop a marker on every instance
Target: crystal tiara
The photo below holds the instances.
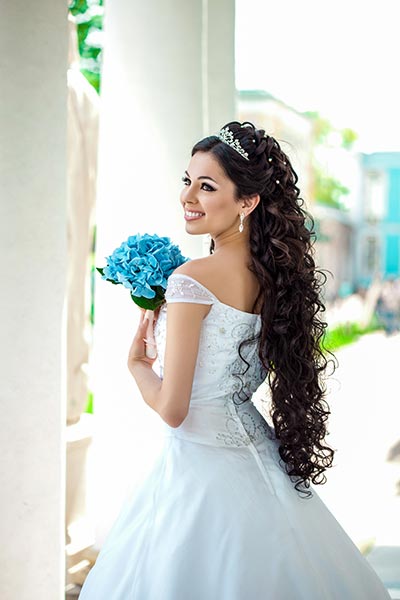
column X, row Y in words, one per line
column 227, row 137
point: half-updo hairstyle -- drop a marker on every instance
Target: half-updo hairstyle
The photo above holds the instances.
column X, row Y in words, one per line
column 291, row 335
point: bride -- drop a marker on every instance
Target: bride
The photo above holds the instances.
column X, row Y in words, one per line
column 229, row 510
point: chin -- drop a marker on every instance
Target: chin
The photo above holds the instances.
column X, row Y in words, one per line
column 194, row 230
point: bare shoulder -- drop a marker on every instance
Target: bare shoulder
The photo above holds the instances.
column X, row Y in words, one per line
column 200, row 269
column 195, row 269
column 226, row 278
column 208, row 271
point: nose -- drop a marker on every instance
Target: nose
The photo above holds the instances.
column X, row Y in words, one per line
column 188, row 196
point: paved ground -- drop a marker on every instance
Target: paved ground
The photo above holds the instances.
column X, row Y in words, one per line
column 363, row 488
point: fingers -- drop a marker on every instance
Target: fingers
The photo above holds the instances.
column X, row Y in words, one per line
column 142, row 327
column 143, row 321
column 143, row 349
column 141, row 332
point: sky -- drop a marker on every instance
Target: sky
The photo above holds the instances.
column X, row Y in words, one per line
column 339, row 58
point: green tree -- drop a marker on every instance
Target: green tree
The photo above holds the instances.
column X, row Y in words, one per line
column 329, row 190
column 322, row 127
column 89, row 21
column 349, row 136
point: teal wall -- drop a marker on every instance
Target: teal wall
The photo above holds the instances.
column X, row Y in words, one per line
column 392, row 259
column 389, row 229
column 393, row 205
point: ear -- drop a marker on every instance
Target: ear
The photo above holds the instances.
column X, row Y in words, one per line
column 250, row 202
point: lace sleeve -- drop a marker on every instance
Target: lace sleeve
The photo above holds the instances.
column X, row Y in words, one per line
column 182, row 288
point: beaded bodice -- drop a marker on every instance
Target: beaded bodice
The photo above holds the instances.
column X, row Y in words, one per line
column 223, row 381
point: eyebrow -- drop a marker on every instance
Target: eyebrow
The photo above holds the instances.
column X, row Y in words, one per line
column 202, row 177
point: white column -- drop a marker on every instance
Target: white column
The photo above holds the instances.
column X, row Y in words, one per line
column 219, row 63
column 162, row 90
column 33, row 49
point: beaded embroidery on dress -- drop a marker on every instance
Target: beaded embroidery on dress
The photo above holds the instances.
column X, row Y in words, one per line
column 218, row 518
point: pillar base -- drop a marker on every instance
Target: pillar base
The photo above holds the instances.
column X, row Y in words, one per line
column 80, row 534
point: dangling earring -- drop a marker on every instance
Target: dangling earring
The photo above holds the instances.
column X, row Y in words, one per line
column 241, row 222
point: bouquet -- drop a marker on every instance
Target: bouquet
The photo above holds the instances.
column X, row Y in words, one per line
column 143, row 264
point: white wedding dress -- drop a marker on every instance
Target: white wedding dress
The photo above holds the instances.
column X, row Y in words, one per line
column 217, row 517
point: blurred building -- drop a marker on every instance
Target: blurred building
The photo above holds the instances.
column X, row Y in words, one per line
column 334, row 248
column 361, row 240
column 336, row 226
column 295, row 133
column 377, row 218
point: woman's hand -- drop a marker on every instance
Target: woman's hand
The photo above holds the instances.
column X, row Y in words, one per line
column 137, row 351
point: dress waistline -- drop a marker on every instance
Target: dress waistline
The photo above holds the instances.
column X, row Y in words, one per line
column 226, row 425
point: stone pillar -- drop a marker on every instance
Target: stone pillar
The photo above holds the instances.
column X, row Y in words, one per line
column 33, row 49
column 167, row 81
column 218, row 64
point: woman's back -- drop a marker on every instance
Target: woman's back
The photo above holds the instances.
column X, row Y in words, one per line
column 222, row 379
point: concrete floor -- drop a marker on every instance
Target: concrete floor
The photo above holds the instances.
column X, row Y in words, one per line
column 364, row 485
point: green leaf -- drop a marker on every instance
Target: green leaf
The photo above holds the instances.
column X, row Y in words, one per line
column 78, row 7
column 147, row 303
column 93, row 78
column 101, row 271
column 89, row 406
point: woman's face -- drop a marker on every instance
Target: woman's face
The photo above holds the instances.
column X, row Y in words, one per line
column 208, row 198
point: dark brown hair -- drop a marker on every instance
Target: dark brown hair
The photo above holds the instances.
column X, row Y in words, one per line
column 292, row 332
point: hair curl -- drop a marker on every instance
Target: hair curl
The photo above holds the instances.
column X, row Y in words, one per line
column 291, row 337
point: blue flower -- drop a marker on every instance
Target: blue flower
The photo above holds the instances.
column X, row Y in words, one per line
column 143, row 264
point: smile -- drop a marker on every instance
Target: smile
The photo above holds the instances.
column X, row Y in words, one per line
column 191, row 216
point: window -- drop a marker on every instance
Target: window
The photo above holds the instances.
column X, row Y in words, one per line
column 371, row 256
column 374, row 204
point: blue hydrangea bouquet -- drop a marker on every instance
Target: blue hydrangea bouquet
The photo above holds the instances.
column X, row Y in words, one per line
column 143, row 264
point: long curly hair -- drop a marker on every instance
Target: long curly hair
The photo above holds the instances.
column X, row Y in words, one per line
column 291, row 337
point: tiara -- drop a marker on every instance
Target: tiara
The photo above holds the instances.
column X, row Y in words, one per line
column 227, row 137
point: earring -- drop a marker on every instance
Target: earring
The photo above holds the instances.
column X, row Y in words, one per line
column 241, row 222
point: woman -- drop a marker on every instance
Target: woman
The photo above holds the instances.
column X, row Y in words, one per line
column 229, row 512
